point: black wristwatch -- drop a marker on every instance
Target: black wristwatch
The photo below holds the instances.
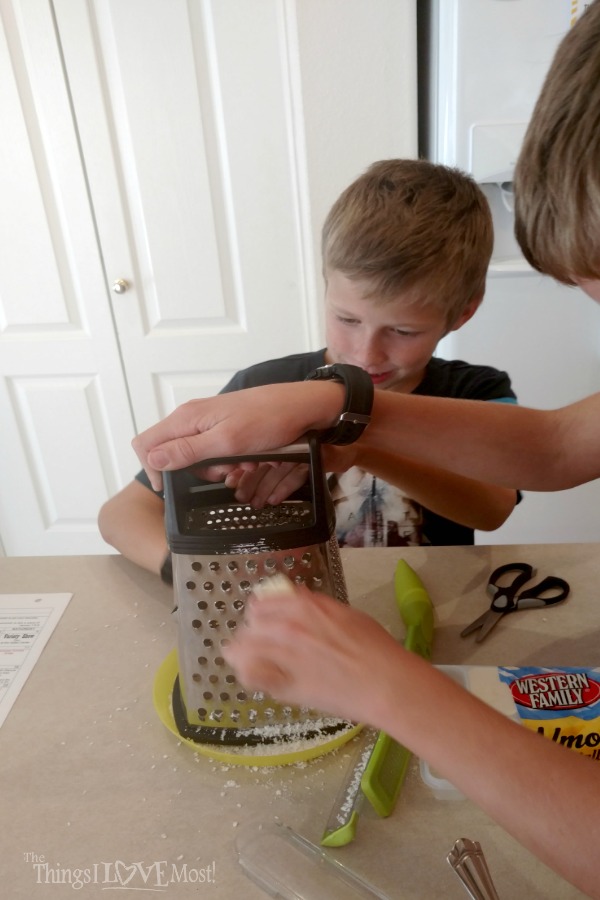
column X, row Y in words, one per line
column 357, row 406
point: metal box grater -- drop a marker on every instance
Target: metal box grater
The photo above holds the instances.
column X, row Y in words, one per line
column 221, row 550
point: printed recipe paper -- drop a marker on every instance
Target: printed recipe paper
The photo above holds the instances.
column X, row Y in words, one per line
column 26, row 623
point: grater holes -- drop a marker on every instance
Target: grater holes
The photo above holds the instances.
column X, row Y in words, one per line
column 202, row 660
column 225, row 642
column 196, row 566
column 214, row 679
column 245, row 586
column 202, row 604
column 235, row 715
column 214, row 566
column 288, row 562
column 269, row 712
column 299, row 579
column 219, row 661
column 207, row 695
column 220, row 605
column 238, row 605
column 216, row 715
column 241, row 697
column 251, row 565
column 231, row 624
column 196, row 623
column 232, row 566
column 212, row 623
column 306, row 559
column 208, row 585
column 196, row 677
column 230, row 679
column 190, row 585
column 202, row 713
column 224, row 696
column 207, row 642
column 226, row 587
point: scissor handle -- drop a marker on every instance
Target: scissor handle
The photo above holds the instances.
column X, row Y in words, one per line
column 532, row 597
column 525, row 569
column 503, row 596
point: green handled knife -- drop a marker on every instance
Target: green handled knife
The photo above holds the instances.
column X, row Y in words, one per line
column 379, row 773
column 386, row 770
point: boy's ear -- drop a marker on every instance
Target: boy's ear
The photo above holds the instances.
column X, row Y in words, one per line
column 468, row 312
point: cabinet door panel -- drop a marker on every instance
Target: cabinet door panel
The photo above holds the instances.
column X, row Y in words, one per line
column 204, row 218
column 65, row 418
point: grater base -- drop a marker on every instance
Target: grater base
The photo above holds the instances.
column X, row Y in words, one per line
column 252, row 737
column 269, row 755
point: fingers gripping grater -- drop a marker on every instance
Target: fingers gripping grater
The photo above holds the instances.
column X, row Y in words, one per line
column 222, row 549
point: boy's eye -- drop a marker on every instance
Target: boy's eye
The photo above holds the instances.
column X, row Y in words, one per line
column 346, row 321
column 403, row 333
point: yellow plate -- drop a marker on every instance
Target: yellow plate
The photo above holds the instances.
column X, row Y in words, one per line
column 269, row 755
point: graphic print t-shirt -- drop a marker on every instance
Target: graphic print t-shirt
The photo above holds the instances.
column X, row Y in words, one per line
column 370, row 512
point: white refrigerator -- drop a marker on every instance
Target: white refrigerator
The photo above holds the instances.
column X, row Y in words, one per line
column 481, row 66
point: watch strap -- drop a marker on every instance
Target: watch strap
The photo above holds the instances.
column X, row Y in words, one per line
column 358, row 403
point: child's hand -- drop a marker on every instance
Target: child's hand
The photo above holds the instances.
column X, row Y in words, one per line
column 240, row 422
column 311, row 650
column 269, row 483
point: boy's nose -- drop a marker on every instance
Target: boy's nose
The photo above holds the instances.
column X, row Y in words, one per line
column 370, row 352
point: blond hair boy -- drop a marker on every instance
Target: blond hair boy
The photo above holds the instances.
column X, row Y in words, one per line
column 405, row 252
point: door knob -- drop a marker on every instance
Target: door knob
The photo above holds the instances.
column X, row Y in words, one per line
column 120, row 286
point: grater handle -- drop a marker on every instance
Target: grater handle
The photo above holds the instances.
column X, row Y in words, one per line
column 298, row 452
column 316, row 527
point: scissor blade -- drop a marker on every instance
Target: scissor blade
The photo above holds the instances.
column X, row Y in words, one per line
column 491, row 618
column 477, row 623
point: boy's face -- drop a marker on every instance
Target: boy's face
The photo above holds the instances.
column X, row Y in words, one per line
column 590, row 287
column 392, row 341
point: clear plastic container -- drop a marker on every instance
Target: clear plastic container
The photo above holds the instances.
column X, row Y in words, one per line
column 288, row 866
column 483, row 681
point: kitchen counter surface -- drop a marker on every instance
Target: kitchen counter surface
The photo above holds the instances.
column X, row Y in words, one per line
column 91, row 780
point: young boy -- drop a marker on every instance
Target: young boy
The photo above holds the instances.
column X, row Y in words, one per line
column 311, row 650
column 405, row 252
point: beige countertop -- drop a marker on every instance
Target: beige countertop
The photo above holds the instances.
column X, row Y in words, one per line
column 91, row 779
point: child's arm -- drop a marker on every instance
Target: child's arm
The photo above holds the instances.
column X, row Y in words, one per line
column 472, row 503
column 310, row 650
column 133, row 523
column 539, row 450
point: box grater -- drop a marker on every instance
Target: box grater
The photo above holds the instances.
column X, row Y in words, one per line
column 221, row 550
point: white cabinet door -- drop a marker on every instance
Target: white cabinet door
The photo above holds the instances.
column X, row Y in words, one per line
column 188, row 149
column 182, row 111
column 65, row 422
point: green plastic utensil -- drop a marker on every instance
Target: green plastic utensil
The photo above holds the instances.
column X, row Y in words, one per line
column 380, row 777
column 386, row 770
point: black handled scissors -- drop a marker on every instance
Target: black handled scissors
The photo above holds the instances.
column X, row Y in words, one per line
column 509, row 597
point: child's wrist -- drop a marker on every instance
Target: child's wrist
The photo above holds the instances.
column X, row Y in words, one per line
column 358, row 402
